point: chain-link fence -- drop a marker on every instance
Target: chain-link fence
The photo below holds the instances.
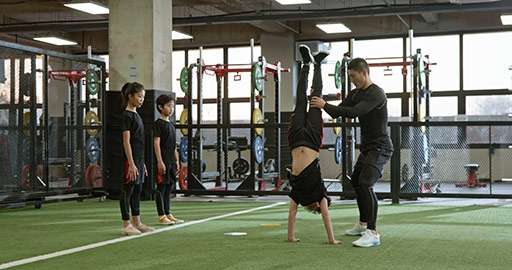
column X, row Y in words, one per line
column 460, row 159
column 50, row 128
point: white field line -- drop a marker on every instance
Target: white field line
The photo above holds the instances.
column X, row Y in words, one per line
column 121, row 239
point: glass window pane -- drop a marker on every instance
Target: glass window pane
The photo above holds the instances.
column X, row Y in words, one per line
column 336, row 54
column 444, row 52
column 240, row 112
column 178, row 63
column 489, row 105
column 443, row 106
column 241, row 55
column 389, row 78
column 487, row 60
column 394, row 107
column 210, row 57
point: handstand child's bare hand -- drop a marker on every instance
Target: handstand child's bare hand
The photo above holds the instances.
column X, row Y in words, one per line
column 334, row 242
column 292, row 239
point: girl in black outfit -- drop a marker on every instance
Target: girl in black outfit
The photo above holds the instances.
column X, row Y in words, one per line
column 133, row 145
column 164, row 142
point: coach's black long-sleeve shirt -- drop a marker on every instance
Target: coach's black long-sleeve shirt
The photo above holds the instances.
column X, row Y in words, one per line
column 370, row 106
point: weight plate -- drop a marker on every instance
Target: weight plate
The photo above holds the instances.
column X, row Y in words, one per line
column 337, row 74
column 257, row 118
column 184, row 79
column 184, row 121
column 240, row 165
column 257, row 76
column 91, row 119
column 93, row 149
column 182, row 180
column 25, row 174
column 258, row 149
column 94, row 176
column 26, row 122
column 336, row 129
column 184, row 149
column 92, row 81
column 338, row 150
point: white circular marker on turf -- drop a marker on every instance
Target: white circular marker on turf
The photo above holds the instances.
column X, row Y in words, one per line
column 236, row 233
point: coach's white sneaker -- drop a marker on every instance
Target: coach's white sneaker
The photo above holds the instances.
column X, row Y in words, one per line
column 357, row 230
column 369, row 239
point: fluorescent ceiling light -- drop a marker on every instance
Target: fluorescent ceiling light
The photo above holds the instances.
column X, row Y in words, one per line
column 293, row 2
column 177, row 35
column 506, row 19
column 331, row 28
column 89, row 8
column 55, row 41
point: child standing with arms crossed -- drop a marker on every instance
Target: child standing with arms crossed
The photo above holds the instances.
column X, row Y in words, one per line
column 164, row 142
column 133, row 145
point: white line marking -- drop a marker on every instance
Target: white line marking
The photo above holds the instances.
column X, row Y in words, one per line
column 121, row 239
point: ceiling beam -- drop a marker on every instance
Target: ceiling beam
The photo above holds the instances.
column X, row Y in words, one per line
column 342, row 13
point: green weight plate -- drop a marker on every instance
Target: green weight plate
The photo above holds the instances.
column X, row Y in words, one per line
column 337, row 75
column 92, row 82
column 257, row 76
column 184, row 80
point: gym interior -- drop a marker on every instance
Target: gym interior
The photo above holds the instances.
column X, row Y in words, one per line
column 445, row 195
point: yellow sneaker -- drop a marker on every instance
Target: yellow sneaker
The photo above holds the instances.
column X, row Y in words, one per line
column 165, row 221
column 130, row 230
column 171, row 218
column 144, row 228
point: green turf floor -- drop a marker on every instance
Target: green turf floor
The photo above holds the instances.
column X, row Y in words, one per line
column 413, row 237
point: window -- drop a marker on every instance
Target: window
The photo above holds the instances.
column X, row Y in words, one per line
column 444, row 52
column 388, row 78
column 210, row 57
column 487, row 60
column 241, row 87
column 443, row 106
column 178, row 63
column 337, row 51
column 489, row 105
column 394, row 107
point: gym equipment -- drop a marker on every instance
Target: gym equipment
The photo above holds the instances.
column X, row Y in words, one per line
column 257, row 117
column 336, row 129
column 184, row 80
column 93, row 149
column 25, row 173
column 195, row 163
column 337, row 74
column 338, row 146
column 472, row 181
column 26, row 122
column 240, row 166
column 91, row 119
column 184, row 121
column 257, row 76
column 94, row 176
column 183, row 149
column 182, row 178
column 258, row 149
column 92, row 81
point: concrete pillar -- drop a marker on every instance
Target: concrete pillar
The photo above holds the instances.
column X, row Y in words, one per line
column 140, row 43
column 280, row 48
column 140, row 49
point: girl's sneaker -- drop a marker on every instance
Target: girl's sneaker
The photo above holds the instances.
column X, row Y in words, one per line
column 165, row 221
column 144, row 228
column 130, row 230
column 171, row 218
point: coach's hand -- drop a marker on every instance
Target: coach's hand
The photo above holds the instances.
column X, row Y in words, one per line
column 317, row 102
